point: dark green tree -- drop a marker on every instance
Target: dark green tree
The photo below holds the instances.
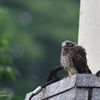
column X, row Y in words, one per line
column 37, row 28
column 7, row 69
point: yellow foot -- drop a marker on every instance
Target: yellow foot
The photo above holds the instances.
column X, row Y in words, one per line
column 72, row 74
column 67, row 76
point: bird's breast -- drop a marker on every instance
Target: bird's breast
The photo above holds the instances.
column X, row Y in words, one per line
column 66, row 61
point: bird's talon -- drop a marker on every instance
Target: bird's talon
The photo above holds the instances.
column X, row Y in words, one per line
column 72, row 74
column 67, row 76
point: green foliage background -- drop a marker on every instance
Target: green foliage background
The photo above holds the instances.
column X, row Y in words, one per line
column 36, row 29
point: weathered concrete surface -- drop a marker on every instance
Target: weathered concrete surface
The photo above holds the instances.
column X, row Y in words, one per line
column 75, row 87
column 96, row 94
column 87, row 80
column 73, row 94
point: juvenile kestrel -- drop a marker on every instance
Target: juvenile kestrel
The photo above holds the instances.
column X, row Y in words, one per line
column 73, row 58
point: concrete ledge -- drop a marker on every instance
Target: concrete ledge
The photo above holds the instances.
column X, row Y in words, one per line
column 87, row 80
column 76, row 87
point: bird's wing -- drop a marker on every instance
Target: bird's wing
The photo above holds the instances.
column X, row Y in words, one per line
column 79, row 60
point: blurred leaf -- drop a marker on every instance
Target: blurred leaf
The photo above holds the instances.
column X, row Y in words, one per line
column 16, row 72
column 2, row 10
column 9, row 59
column 15, row 97
column 9, row 73
column 1, row 68
column 3, row 98
column 4, row 41
column 2, row 25
column 52, row 22
column 6, row 69
column 1, row 71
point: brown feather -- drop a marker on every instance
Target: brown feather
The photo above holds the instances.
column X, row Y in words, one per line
column 77, row 55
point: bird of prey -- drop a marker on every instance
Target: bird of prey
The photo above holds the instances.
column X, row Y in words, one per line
column 73, row 58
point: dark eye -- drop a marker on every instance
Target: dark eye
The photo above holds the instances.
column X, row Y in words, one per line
column 69, row 44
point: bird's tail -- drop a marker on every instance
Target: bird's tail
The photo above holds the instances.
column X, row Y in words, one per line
column 89, row 71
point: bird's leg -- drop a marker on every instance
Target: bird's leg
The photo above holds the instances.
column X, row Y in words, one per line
column 67, row 76
column 73, row 74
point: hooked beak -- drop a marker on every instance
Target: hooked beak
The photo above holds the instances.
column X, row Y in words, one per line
column 63, row 44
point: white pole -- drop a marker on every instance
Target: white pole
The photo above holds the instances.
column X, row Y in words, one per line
column 89, row 32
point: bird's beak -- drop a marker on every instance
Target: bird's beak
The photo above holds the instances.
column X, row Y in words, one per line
column 63, row 44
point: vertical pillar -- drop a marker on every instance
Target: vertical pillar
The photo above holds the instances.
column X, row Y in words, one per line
column 89, row 32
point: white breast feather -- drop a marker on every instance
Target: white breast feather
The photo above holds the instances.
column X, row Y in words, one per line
column 67, row 63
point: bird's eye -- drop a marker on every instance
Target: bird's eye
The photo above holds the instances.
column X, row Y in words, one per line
column 69, row 44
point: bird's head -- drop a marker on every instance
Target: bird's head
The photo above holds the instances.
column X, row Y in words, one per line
column 68, row 44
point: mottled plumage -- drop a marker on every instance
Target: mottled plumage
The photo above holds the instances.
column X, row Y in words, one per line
column 73, row 58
